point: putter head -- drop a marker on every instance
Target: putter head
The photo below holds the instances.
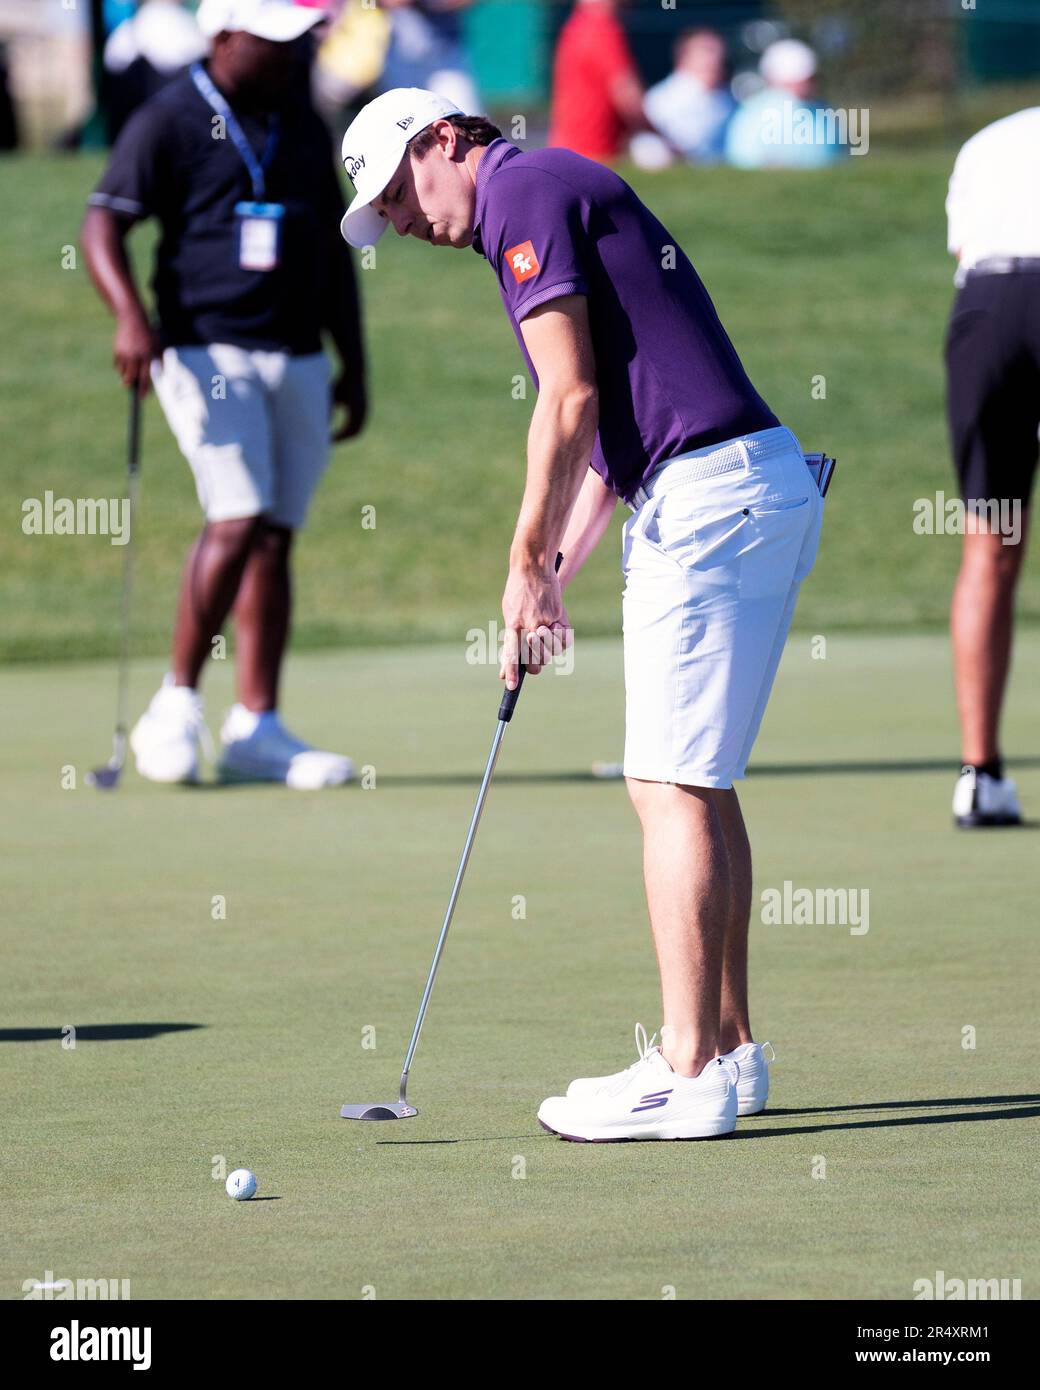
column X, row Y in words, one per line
column 107, row 777
column 104, row 778
column 379, row 1110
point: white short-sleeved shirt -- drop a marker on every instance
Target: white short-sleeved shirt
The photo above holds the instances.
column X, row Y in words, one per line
column 993, row 205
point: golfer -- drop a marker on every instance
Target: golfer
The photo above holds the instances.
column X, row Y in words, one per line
column 240, row 176
column 642, row 397
column 993, row 411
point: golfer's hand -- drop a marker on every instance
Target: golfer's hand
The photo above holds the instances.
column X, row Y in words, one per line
column 536, row 624
column 134, row 349
column 349, row 392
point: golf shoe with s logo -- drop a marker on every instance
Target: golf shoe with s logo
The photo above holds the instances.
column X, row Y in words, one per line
column 648, row 1101
column 752, row 1073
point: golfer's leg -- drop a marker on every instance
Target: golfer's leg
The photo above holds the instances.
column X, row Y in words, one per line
column 687, row 872
column 211, row 579
column 262, row 613
column 981, row 620
column 298, row 400
column 734, row 1021
column 214, row 402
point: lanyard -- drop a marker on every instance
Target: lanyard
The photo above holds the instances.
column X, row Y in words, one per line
column 256, row 167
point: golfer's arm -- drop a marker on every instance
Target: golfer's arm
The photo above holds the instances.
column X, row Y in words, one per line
column 589, row 519
column 563, row 428
column 103, row 238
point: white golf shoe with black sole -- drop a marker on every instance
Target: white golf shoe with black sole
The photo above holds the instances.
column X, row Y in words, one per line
column 750, row 1060
column 648, row 1101
column 980, row 800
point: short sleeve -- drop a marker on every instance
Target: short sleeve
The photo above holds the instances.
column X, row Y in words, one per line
column 539, row 238
column 135, row 177
column 958, row 202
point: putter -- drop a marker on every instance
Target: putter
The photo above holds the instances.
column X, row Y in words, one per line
column 107, row 777
column 400, row 1109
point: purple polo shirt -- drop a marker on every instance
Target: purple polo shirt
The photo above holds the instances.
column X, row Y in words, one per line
column 553, row 223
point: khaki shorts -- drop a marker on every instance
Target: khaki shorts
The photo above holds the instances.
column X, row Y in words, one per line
column 254, row 426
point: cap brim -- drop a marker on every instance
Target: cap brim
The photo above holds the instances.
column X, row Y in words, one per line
column 362, row 225
column 283, row 24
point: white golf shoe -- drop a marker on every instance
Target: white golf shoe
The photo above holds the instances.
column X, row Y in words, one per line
column 648, row 1101
column 980, row 800
column 750, row 1059
column 259, row 748
column 166, row 738
column 753, row 1080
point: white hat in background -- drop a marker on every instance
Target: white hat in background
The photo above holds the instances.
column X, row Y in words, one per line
column 281, row 21
column 787, row 60
column 373, row 148
column 162, row 32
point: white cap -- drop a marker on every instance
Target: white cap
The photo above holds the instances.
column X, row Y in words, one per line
column 281, row 21
column 787, row 60
column 373, row 148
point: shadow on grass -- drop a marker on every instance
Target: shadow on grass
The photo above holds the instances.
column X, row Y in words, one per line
column 97, row 1032
column 852, row 767
column 1023, row 1107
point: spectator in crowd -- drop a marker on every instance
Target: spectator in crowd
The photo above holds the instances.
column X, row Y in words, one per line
column 692, row 107
column 143, row 53
column 351, row 57
column 597, row 95
column 427, row 49
column 250, row 272
column 782, row 126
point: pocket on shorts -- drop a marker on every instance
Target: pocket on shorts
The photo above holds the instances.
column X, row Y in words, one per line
column 680, row 528
column 769, row 505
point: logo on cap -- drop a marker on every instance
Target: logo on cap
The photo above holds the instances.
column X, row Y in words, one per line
column 406, row 122
column 353, row 165
column 523, row 262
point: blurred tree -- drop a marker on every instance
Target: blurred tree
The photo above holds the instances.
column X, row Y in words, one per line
column 880, row 47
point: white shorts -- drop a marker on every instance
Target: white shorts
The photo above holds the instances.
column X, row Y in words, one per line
column 254, row 426
column 712, row 566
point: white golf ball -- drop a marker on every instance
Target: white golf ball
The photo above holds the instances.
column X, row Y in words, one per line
column 241, row 1184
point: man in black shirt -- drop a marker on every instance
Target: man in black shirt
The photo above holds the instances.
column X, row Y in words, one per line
column 249, row 274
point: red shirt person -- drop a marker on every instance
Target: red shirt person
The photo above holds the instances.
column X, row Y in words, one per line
column 597, row 97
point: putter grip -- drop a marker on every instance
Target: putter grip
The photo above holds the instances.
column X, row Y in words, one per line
column 510, row 697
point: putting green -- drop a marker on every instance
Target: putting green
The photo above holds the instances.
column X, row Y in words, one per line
column 242, row 1037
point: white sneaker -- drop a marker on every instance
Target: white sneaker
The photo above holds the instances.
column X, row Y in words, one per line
column 979, row 799
column 750, row 1059
column 259, row 748
column 166, row 738
column 649, row 1101
column 753, row 1080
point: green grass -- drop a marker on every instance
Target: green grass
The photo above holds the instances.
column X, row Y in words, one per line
column 333, row 904
column 842, row 274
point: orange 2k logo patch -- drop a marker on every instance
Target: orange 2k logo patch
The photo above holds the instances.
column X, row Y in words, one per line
column 523, row 262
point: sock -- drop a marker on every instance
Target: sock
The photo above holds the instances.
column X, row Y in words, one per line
column 994, row 768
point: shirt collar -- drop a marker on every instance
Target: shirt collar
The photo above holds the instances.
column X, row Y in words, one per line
column 492, row 160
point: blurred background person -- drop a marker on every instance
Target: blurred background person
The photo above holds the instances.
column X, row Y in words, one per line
column 427, row 49
column 350, row 58
column 766, row 130
column 158, row 41
column 250, row 272
column 993, row 409
column 692, row 107
column 597, row 94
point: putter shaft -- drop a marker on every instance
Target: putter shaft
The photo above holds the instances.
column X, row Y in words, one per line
column 456, row 889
